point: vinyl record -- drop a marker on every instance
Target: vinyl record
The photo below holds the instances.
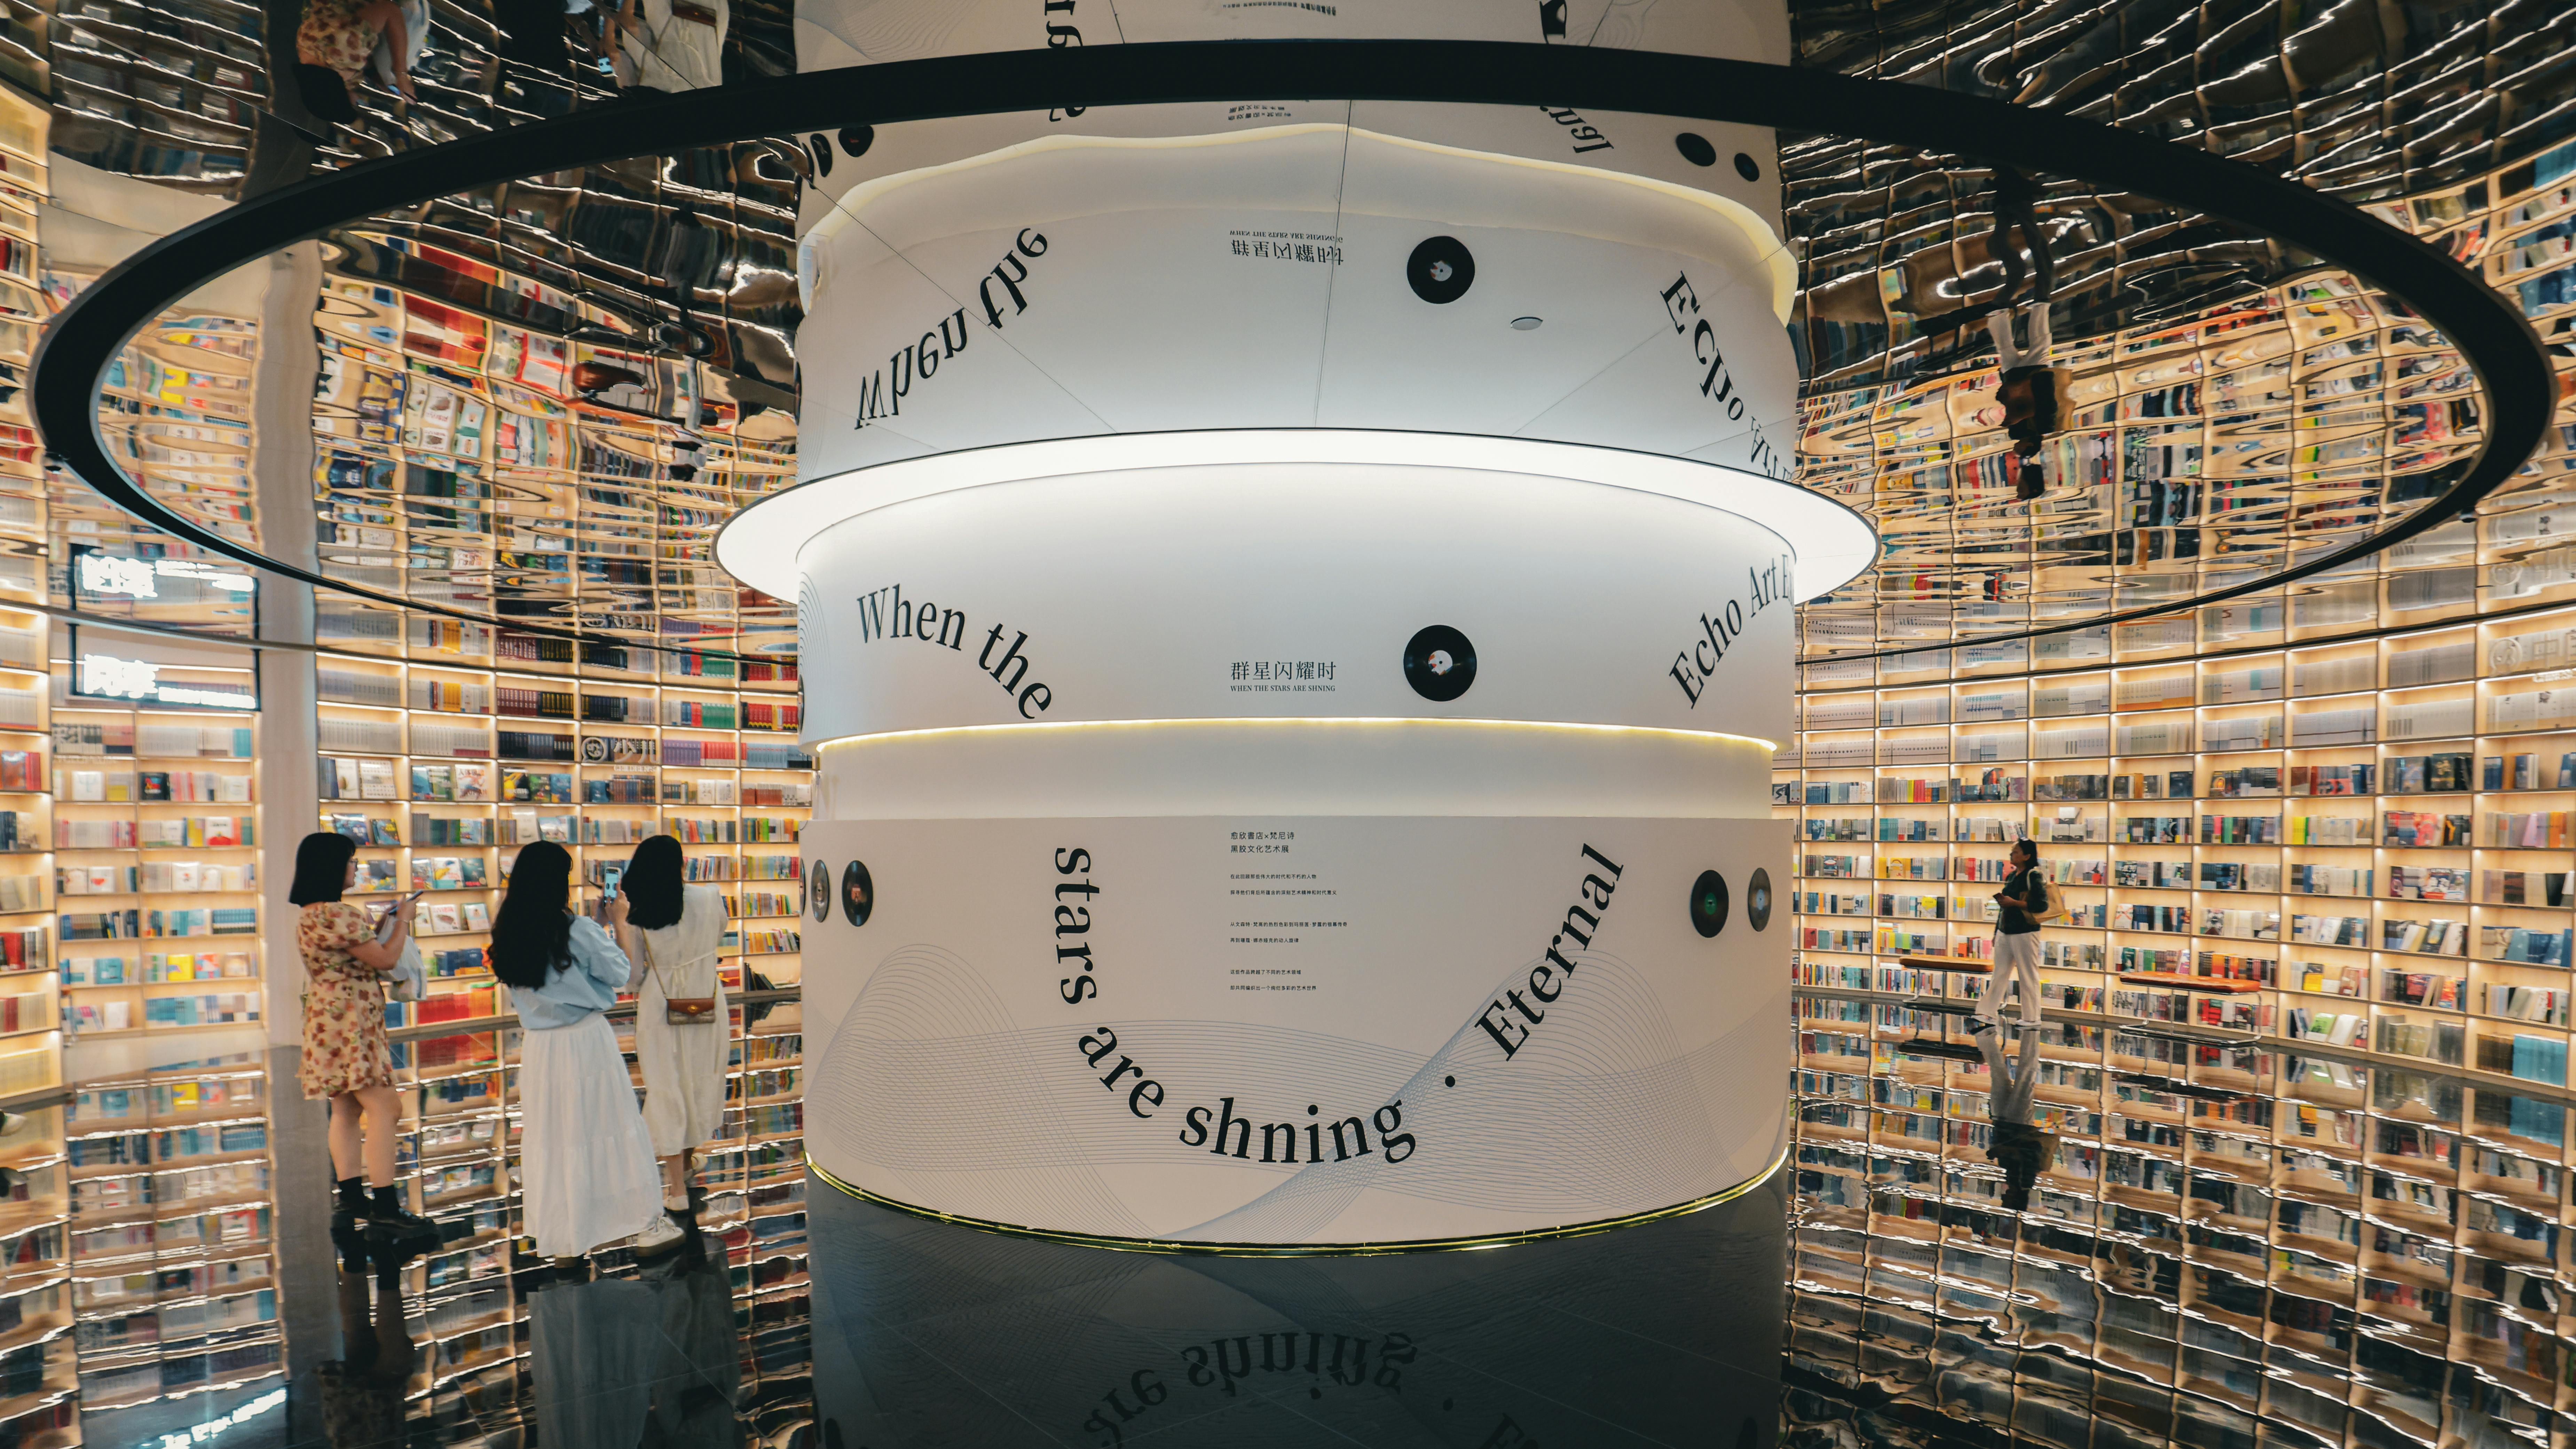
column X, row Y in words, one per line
column 1439, row 663
column 819, row 892
column 1440, row 270
column 1757, row 900
column 858, row 893
column 1708, row 903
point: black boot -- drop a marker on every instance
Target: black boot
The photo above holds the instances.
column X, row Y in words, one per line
column 389, row 1223
column 349, row 1236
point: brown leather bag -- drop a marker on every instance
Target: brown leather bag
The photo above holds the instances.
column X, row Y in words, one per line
column 694, row 14
column 678, row 1010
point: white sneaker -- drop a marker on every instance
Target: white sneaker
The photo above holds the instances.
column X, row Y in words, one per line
column 659, row 1236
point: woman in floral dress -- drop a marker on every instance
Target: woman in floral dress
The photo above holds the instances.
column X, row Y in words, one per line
column 337, row 36
column 346, row 1056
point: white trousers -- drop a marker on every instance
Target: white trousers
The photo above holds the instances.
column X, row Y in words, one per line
column 2008, row 1093
column 2018, row 955
column 1999, row 325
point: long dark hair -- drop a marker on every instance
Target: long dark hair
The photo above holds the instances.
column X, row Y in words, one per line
column 321, row 867
column 652, row 884
column 532, row 933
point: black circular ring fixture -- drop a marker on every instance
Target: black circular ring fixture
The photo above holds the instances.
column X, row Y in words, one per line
column 1708, row 903
column 2494, row 337
column 1440, row 270
column 857, row 139
column 1747, row 167
column 1695, row 148
column 1440, row 663
column 1757, row 899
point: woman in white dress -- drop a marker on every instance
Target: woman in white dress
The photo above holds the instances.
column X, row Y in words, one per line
column 672, row 931
column 585, row 1161
column 671, row 45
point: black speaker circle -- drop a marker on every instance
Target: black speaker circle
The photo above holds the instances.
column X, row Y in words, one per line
column 1708, row 903
column 858, row 893
column 1440, row 270
column 1439, row 663
column 1757, row 899
column 857, row 139
column 822, row 150
column 1747, row 167
column 820, row 891
column 1695, row 148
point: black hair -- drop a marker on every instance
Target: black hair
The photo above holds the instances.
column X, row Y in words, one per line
column 2020, row 1149
column 321, row 867
column 652, row 884
column 2026, row 843
column 532, row 932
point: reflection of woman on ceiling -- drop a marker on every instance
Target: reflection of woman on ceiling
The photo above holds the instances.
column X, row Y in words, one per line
column 336, row 38
column 670, row 45
column 2032, row 391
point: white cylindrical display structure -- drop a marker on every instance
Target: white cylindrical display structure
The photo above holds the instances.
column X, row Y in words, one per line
column 1294, row 854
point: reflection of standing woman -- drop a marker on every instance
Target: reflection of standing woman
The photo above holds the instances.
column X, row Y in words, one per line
column 586, row 1162
column 347, row 1057
column 672, row 931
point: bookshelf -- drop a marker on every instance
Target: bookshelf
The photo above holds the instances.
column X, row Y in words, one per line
column 2309, row 1055
column 443, row 788
column 156, row 861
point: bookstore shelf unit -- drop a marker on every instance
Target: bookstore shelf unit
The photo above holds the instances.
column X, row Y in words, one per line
column 2356, row 797
column 442, row 770
column 157, row 907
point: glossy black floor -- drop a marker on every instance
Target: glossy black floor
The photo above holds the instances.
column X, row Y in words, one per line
column 850, row 1326
column 923, row 1335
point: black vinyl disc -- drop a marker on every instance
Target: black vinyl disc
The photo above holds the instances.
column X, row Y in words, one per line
column 1439, row 663
column 1440, row 270
column 858, row 893
column 1757, row 900
column 1708, row 903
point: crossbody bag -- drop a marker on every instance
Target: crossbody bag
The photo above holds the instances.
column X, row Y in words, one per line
column 679, row 1010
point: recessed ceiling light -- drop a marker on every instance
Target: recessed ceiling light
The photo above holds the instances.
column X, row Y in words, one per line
column 1526, row 324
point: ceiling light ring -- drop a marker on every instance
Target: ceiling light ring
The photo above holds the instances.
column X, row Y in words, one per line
column 2496, row 339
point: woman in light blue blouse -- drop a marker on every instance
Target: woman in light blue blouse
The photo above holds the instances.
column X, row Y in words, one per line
column 586, row 1165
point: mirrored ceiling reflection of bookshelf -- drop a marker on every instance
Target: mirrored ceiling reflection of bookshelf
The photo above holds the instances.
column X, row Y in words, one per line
column 441, row 768
column 156, row 859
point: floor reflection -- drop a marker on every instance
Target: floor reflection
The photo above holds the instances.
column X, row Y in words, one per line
column 931, row 1335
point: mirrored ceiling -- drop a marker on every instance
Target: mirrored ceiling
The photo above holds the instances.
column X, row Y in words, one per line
column 532, row 402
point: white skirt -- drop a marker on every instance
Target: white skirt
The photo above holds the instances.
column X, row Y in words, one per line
column 586, row 1165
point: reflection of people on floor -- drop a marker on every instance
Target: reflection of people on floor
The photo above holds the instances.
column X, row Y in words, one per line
column 2019, row 1148
column 363, row 1389
column 646, row 1360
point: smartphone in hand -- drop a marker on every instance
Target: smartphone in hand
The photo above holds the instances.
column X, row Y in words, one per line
column 398, row 911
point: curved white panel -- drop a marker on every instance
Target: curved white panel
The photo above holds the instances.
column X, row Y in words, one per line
column 1276, row 1029
column 1075, row 285
column 1275, row 591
